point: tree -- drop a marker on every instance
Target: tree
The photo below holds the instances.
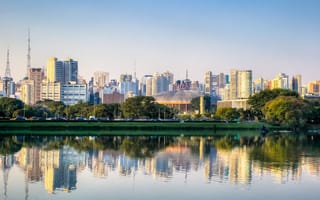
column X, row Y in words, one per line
column 138, row 107
column 56, row 108
column 286, row 110
column 109, row 111
column 227, row 113
column 258, row 101
column 8, row 106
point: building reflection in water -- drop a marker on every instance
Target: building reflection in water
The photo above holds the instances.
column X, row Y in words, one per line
column 58, row 168
column 6, row 163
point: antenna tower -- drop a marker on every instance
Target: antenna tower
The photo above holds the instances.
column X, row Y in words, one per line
column 29, row 52
column 7, row 72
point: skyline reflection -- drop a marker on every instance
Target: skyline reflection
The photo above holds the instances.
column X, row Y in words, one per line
column 56, row 162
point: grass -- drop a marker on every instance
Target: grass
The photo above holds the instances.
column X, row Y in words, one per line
column 129, row 128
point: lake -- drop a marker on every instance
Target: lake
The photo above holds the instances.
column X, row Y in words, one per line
column 283, row 166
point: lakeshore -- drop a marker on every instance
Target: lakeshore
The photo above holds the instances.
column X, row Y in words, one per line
column 171, row 128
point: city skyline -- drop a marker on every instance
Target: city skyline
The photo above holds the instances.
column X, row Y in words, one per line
column 267, row 37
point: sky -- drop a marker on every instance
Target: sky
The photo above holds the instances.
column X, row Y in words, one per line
column 148, row 36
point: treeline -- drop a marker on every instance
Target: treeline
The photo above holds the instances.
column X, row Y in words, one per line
column 277, row 106
column 133, row 108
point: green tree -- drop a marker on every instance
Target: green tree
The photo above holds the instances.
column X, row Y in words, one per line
column 8, row 106
column 9, row 145
column 81, row 109
column 56, row 108
column 106, row 110
column 227, row 113
column 286, row 110
column 258, row 101
column 139, row 107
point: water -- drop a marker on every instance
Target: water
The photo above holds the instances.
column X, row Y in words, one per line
column 104, row 167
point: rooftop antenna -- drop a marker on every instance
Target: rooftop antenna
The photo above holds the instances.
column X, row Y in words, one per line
column 29, row 52
column 7, row 72
column 186, row 74
column 135, row 67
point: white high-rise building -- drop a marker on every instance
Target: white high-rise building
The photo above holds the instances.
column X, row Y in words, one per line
column 101, row 79
column 244, row 84
column 280, row 81
column 208, row 83
column 160, row 84
column 149, row 86
column 240, row 84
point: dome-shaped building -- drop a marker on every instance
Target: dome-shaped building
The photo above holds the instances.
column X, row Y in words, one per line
column 181, row 99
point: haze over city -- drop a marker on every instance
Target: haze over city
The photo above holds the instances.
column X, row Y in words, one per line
column 267, row 37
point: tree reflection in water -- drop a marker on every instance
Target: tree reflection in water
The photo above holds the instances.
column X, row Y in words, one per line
column 58, row 159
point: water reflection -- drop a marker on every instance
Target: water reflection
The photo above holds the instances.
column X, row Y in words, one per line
column 56, row 162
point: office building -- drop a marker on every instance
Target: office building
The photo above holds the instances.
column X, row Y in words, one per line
column 62, row 71
column 27, row 92
column 296, row 84
column 72, row 93
column 36, row 75
column 240, row 84
column 50, row 91
column 280, row 81
column 208, row 83
column 244, row 84
column 101, row 79
column 314, row 87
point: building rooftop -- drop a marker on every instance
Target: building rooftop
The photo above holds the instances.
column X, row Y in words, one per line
column 177, row 97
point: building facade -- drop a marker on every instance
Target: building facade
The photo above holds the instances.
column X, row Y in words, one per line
column 280, row 81
column 50, row 91
column 62, row 71
column 72, row 93
column 37, row 75
column 101, row 79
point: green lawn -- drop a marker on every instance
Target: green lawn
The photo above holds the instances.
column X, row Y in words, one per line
column 129, row 128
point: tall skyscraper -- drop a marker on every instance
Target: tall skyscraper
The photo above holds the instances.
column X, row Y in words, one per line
column 101, row 79
column 149, row 85
column 233, row 88
column 280, row 81
column 62, row 71
column 70, row 70
column 36, row 75
column 55, row 72
column 296, row 83
column 160, row 84
column 244, row 84
column 143, row 85
column 240, row 84
column 208, row 83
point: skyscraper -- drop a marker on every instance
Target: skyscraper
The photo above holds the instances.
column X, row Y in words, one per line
column 296, row 83
column 233, row 88
column 244, row 84
column 208, row 83
column 37, row 75
column 160, row 84
column 62, row 71
column 55, row 72
column 101, row 79
column 70, row 70
column 280, row 81
column 240, row 84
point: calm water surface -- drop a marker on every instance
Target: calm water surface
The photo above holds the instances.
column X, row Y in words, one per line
column 105, row 167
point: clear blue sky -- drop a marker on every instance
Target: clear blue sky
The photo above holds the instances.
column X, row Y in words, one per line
column 267, row 36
